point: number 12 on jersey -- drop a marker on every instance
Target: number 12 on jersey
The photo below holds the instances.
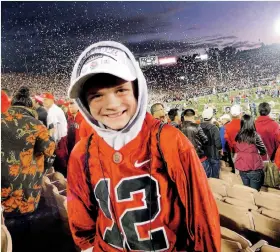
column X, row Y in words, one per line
column 131, row 218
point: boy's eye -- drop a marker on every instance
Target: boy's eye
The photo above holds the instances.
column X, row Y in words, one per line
column 94, row 96
column 122, row 90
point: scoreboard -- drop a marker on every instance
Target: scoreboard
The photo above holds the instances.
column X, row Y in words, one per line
column 148, row 61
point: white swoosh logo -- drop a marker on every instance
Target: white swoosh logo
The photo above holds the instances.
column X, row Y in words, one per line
column 137, row 165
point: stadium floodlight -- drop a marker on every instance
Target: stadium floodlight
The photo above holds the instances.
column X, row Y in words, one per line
column 204, row 56
column 277, row 27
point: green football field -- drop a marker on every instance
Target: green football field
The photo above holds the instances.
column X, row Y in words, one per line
column 220, row 104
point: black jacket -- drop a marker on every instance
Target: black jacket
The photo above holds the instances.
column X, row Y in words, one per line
column 42, row 115
column 214, row 143
column 196, row 135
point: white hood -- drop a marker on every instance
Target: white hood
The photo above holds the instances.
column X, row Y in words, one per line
column 116, row 139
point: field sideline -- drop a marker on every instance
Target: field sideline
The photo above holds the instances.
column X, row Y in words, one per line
column 220, row 104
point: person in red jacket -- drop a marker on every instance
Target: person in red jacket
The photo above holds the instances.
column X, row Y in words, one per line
column 231, row 130
column 268, row 129
column 121, row 194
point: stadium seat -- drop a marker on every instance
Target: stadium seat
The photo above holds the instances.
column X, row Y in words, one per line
column 270, row 190
column 241, row 203
column 224, row 166
column 234, row 217
column 233, row 236
column 268, row 200
column 270, row 213
column 229, row 245
column 266, row 226
column 218, row 196
column 243, row 193
column 218, row 186
column 231, row 178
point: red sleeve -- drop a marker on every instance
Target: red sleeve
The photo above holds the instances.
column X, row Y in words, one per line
column 81, row 212
column 202, row 216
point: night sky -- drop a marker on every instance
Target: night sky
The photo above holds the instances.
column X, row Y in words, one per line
column 48, row 36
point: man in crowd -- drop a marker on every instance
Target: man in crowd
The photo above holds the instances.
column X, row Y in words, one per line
column 214, row 145
column 231, row 130
column 122, row 193
column 57, row 126
column 196, row 135
column 174, row 118
column 158, row 112
column 268, row 129
column 224, row 119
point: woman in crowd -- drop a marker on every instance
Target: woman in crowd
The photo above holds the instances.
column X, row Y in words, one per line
column 249, row 148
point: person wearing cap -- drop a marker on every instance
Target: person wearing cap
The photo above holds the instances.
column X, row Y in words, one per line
column 268, row 129
column 121, row 195
column 213, row 147
column 196, row 135
column 41, row 111
column 57, row 126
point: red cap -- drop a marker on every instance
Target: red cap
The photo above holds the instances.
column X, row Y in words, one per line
column 38, row 98
column 48, row 96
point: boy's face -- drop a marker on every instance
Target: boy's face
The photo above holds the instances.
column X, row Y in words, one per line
column 112, row 105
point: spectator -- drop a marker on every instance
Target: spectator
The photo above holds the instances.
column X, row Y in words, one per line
column 74, row 121
column 122, row 158
column 231, row 130
column 57, row 125
column 25, row 144
column 249, row 149
column 268, row 129
column 214, row 145
column 174, row 118
column 41, row 111
column 195, row 134
column 158, row 112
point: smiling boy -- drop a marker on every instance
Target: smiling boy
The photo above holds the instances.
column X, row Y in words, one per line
column 122, row 196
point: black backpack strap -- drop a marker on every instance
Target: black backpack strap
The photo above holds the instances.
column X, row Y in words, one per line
column 158, row 144
column 86, row 168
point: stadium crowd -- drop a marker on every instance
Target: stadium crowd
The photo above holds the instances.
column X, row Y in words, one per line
column 40, row 129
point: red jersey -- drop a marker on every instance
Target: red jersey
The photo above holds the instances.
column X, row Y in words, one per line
column 131, row 203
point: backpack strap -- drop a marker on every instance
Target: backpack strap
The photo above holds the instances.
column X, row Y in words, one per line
column 161, row 125
column 86, row 168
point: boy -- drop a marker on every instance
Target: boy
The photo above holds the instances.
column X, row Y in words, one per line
column 121, row 195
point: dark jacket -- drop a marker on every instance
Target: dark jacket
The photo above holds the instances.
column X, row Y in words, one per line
column 196, row 135
column 42, row 115
column 248, row 156
column 24, row 145
column 214, row 143
column 269, row 130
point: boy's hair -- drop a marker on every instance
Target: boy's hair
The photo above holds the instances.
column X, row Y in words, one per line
column 154, row 107
column 264, row 109
column 107, row 78
column 172, row 114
